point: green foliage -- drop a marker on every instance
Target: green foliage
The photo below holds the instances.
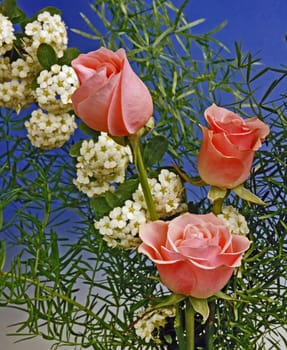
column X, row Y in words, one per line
column 69, row 55
column 154, row 150
column 46, row 56
column 74, row 289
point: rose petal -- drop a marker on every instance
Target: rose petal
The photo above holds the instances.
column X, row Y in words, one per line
column 218, row 169
column 183, row 277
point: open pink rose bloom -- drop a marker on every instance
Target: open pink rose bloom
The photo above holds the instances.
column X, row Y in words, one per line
column 195, row 254
column 111, row 97
column 228, row 147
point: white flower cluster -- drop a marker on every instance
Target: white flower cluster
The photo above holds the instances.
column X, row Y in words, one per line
column 121, row 227
column 48, row 131
column 100, row 165
column 55, row 88
column 48, row 29
column 234, row 221
column 6, row 34
column 14, row 93
column 151, row 320
column 167, row 192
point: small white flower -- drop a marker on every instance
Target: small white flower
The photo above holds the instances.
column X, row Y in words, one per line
column 49, row 29
column 6, row 34
column 234, row 221
column 44, row 131
column 105, row 162
column 53, row 92
column 151, row 320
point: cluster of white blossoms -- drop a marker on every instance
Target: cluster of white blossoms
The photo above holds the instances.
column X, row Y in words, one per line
column 52, row 126
column 234, row 221
column 150, row 321
column 14, row 93
column 6, row 34
column 48, row 29
column 167, row 192
column 48, row 130
column 121, row 227
column 100, row 165
column 55, row 88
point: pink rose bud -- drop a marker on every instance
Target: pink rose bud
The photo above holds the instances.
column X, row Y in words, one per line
column 228, row 147
column 195, row 254
column 111, row 97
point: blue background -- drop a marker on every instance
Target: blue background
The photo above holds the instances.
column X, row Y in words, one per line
column 259, row 25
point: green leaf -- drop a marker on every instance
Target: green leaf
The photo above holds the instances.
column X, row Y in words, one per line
column 248, row 196
column 216, row 193
column 2, row 254
column 69, row 55
column 200, row 306
column 154, row 150
column 10, row 9
column 100, row 206
column 88, row 131
column 123, row 193
column 46, row 56
column 75, row 149
column 104, row 204
column 169, row 300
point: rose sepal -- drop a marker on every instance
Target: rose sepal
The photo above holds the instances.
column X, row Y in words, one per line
column 201, row 307
column 247, row 195
column 170, row 300
column 215, row 193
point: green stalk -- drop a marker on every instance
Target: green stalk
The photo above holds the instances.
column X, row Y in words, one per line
column 178, row 326
column 189, row 325
column 217, row 206
column 142, row 174
column 210, row 327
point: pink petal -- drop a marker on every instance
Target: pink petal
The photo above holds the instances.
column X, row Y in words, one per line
column 185, row 278
column 136, row 101
column 217, row 169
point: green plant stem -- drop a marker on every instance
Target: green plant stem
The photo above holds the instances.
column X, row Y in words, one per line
column 189, row 325
column 217, row 206
column 55, row 294
column 142, row 174
column 178, row 326
column 210, row 327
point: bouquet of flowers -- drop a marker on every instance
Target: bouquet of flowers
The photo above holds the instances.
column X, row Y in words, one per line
column 143, row 215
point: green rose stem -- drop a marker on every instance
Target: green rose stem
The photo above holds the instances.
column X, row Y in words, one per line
column 216, row 209
column 217, row 206
column 142, row 174
column 178, row 326
column 210, row 327
column 189, row 325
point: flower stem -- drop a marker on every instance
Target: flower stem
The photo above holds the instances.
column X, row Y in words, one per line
column 178, row 326
column 189, row 325
column 210, row 327
column 217, row 206
column 142, row 174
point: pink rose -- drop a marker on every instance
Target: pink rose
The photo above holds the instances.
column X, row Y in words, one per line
column 195, row 254
column 228, row 147
column 111, row 97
